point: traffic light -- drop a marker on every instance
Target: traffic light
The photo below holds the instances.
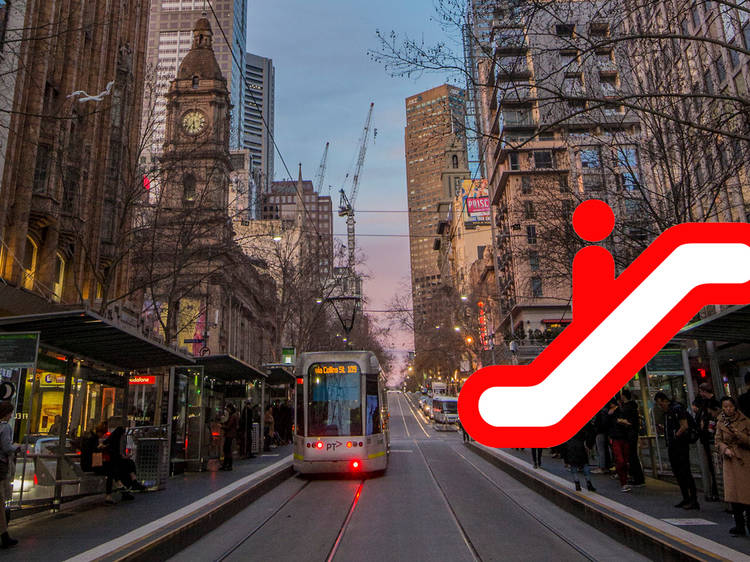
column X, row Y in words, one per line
column 702, row 372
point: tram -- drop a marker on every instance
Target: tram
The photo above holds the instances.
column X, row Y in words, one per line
column 445, row 412
column 342, row 413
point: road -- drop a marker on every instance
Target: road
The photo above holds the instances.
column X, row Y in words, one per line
column 437, row 501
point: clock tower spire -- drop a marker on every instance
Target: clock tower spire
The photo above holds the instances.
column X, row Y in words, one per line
column 196, row 148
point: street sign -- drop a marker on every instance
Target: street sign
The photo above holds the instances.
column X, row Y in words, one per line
column 668, row 362
column 288, row 355
column 18, row 349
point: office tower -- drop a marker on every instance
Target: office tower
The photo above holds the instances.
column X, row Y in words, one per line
column 258, row 119
column 435, row 167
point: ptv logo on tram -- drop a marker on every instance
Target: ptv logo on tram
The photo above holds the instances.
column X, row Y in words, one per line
column 333, row 445
column 619, row 324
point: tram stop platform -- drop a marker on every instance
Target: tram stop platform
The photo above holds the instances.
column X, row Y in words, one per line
column 644, row 519
column 154, row 523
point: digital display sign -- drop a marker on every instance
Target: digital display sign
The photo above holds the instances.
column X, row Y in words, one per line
column 334, row 369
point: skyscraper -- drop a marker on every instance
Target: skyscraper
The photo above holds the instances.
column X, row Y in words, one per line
column 257, row 125
column 170, row 37
column 434, row 120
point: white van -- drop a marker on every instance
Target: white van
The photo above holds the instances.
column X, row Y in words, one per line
column 445, row 412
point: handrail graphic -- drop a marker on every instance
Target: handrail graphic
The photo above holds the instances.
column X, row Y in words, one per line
column 618, row 326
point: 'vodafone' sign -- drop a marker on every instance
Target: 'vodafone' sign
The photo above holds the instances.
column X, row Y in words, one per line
column 143, row 379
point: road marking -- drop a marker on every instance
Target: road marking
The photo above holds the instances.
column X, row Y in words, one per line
column 411, row 408
column 403, row 418
column 375, row 455
column 402, row 451
column 688, row 522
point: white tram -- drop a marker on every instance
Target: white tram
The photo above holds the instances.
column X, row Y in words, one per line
column 342, row 413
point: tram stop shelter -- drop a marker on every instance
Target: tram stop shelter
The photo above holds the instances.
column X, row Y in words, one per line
column 199, row 393
column 84, row 369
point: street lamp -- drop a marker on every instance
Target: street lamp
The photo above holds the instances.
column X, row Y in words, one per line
column 318, row 300
column 464, row 298
column 469, row 340
column 277, row 237
column 457, row 328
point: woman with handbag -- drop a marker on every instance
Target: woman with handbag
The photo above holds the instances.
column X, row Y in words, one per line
column 733, row 444
column 7, row 463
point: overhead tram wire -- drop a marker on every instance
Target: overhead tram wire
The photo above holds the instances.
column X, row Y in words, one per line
column 265, row 124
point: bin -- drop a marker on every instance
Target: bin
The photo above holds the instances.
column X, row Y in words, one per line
column 149, row 449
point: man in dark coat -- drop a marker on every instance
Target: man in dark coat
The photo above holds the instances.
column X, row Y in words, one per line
column 577, row 454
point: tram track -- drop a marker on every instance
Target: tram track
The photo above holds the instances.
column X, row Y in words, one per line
column 298, row 496
column 529, row 512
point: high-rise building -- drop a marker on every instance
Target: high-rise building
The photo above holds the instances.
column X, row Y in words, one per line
column 258, row 118
column 434, row 144
column 297, row 204
column 170, row 36
column 547, row 149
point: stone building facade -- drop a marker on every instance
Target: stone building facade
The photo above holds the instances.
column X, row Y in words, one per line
column 71, row 159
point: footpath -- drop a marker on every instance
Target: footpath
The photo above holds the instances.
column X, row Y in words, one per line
column 154, row 524
column 644, row 519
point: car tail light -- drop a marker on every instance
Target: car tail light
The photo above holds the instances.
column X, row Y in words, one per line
column 355, row 465
column 348, row 444
column 319, row 445
column 361, row 444
column 36, row 480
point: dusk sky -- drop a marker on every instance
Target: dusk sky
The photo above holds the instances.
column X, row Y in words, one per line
column 325, row 82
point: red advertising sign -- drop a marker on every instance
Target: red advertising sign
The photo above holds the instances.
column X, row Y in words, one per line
column 478, row 206
column 143, row 379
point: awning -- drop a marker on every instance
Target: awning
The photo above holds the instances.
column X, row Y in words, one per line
column 86, row 334
column 279, row 373
column 731, row 325
column 229, row 368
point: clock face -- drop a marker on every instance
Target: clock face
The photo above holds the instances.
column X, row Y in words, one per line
column 193, row 122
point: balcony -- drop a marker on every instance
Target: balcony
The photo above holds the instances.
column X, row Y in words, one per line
column 510, row 68
column 517, row 120
column 513, row 93
column 510, row 41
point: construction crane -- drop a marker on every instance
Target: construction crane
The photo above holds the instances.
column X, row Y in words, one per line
column 320, row 176
column 346, row 203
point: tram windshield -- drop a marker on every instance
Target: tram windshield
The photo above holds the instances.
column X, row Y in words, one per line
column 334, row 404
column 449, row 406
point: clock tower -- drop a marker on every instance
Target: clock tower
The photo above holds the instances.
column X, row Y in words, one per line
column 195, row 160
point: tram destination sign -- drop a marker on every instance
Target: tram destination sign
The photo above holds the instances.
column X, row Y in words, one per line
column 18, row 349
column 334, row 369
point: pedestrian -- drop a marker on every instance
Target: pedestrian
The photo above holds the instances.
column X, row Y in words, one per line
column 269, row 429
column 536, row 455
column 706, row 409
column 229, row 428
column 602, row 441
column 630, row 408
column 56, row 426
column 463, row 431
column 733, row 444
column 678, row 434
column 7, row 469
column 743, row 401
column 620, row 424
column 576, row 455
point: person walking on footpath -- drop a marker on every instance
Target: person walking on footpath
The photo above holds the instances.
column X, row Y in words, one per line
column 733, row 443
column 229, row 428
column 576, row 455
column 743, row 401
column 602, row 441
column 630, row 409
column 536, row 456
column 620, row 426
column 679, row 435
column 706, row 409
column 269, row 430
column 7, row 468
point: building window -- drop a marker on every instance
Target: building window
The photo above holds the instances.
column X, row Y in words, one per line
column 590, row 158
column 562, row 183
column 525, row 185
column 454, row 158
column 543, row 159
column 188, row 187
column 29, row 263
column 514, row 161
column 528, row 210
column 565, row 30
column 57, row 287
column 536, row 286
column 534, row 260
column 531, row 234
column 196, row 82
column 41, row 168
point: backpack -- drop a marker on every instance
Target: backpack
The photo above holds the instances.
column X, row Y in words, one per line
column 693, row 433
